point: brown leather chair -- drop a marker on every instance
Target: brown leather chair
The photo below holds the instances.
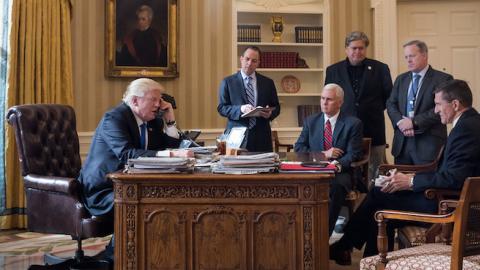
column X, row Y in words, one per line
column 464, row 251
column 48, row 149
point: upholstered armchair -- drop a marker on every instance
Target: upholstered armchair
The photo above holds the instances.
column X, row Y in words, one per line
column 419, row 234
column 464, row 251
column 48, row 149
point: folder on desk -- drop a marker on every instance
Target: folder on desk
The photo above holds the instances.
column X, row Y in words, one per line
column 298, row 167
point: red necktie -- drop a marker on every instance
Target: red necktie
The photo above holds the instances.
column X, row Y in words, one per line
column 327, row 136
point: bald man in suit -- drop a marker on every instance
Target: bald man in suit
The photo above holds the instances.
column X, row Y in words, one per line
column 418, row 132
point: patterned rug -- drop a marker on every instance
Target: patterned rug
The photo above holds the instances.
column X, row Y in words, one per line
column 19, row 250
column 28, row 243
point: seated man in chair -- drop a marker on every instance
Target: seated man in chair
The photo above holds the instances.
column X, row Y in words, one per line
column 339, row 137
column 132, row 129
column 461, row 159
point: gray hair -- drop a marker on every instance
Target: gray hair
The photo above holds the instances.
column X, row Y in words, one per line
column 139, row 87
column 356, row 35
column 422, row 46
column 337, row 88
column 145, row 8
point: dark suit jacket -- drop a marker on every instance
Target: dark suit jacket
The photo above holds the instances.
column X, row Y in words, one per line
column 375, row 89
column 347, row 136
column 461, row 158
column 232, row 96
column 430, row 134
column 116, row 139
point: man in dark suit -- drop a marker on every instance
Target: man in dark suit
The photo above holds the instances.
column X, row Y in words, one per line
column 242, row 92
column 118, row 138
column 461, row 159
column 339, row 137
column 418, row 132
column 367, row 85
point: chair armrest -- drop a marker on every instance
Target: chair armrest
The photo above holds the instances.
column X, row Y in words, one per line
column 382, row 216
column 358, row 163
column 406, row 168
column 66, row 185
column 441, row 194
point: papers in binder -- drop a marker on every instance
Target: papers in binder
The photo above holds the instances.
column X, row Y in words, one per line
column 256, row 112
column 160, row 165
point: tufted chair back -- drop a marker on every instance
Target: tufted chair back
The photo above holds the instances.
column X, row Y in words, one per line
column 48, row 141
column 48, row 149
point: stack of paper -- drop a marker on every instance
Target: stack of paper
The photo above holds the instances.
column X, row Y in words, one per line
column 160, row 165
column 247, row 164
column 306, row 167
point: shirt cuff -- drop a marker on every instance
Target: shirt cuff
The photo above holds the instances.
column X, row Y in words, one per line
column 172, row 131
column 164, row 153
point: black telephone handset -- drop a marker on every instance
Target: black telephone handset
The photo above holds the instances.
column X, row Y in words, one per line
column 169, row 99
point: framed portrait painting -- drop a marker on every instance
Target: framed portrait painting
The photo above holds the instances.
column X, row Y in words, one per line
column 141, row 38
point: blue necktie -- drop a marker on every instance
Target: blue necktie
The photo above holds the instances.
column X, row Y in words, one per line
column 251, row 100
column 412, row 95
column 143, row 137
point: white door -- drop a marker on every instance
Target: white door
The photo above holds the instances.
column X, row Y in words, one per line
column 451, row 30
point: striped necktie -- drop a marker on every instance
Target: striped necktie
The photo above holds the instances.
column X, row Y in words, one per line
column 143, row 135
column 327, row 136
column 251, row 100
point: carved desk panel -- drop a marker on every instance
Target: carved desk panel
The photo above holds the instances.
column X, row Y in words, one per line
column 208, row 221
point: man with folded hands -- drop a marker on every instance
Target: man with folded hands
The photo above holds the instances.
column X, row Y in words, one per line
column 339, row 137
column 133, row 129
column 461, row 159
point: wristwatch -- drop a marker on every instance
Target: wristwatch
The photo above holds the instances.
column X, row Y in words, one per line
column 171, row 123
column 411, row 181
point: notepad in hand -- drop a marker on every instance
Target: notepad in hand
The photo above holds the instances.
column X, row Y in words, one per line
column 256, row 112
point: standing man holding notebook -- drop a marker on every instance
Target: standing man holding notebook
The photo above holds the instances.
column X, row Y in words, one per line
column 240, row 93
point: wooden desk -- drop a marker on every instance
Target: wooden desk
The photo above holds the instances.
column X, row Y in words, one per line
column 214, row 221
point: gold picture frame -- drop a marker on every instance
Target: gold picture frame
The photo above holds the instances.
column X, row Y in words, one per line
column 141, row 38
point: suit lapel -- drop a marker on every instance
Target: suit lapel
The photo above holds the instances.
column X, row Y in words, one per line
column 402, row 99
column 367, row 75
column 345, row 79
column 319, row 136
column 241, row 86
column 132, row 122
column 338, row 129
column 425, row 83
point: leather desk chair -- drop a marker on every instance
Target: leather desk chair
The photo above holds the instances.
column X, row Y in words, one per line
column 48, row 149
column 277, row 144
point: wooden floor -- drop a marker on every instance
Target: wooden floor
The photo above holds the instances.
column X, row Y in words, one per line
column 11, row 261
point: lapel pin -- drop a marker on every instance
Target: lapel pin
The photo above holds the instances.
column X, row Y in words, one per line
column 369, row 67
column 150, row 129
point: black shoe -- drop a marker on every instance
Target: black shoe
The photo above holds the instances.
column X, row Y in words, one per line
column 340, row 256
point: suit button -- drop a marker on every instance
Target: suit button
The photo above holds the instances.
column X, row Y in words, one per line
column 356, row 104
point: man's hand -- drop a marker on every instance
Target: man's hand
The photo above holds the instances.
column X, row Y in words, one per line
column 408, row 133
column 397, row 182
column 405, row 124
column 246, row 108
column 165, row 106
column 265, row 115
column 182, row 153
column 333, row 153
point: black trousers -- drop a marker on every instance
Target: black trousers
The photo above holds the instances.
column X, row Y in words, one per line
column 362, row 228
column 339, row 188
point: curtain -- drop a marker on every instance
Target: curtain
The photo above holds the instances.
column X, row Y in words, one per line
column 39, row 71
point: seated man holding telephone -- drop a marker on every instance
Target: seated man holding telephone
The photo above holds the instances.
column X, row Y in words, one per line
column 143, row 125
column 339, row 137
